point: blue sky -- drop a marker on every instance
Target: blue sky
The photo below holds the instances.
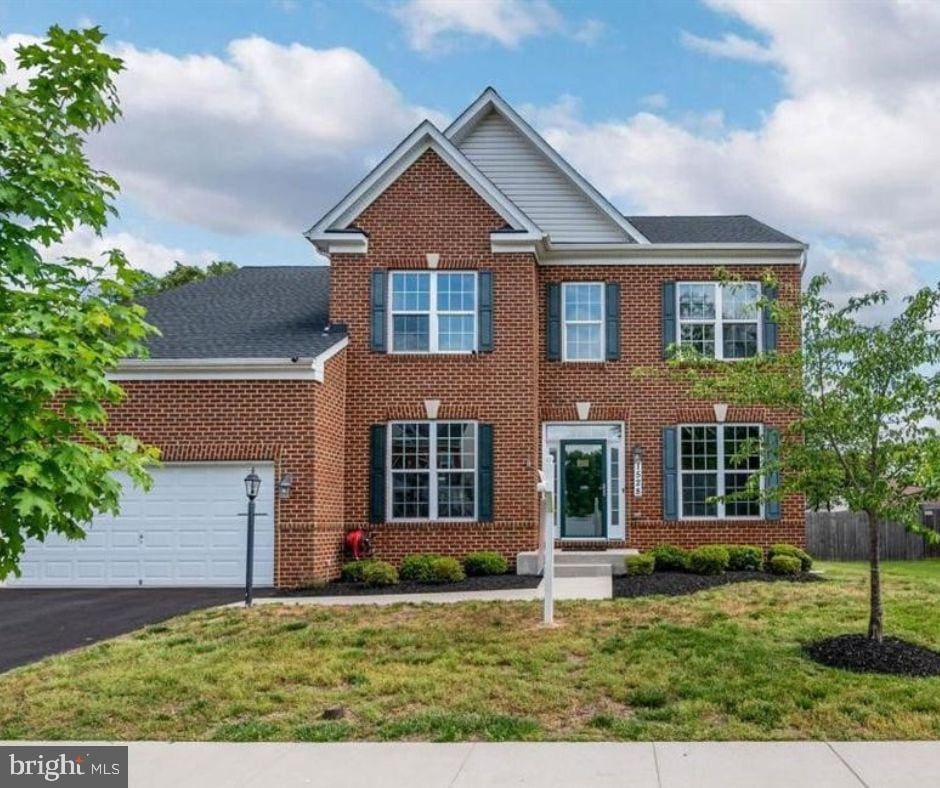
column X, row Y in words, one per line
column 244, row 120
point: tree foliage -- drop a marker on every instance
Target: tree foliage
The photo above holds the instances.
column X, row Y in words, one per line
column 181, row 274
column 63, row 324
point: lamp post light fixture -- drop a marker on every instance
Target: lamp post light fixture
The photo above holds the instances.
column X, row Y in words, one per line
column 252, row 486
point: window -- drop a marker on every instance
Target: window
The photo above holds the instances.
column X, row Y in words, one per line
column 583, row 324
column 720, row 320
column 717, row 460
column 432, row 466
column 433, row 312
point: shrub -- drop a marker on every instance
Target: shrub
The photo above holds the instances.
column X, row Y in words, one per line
column 745, row 558
column 806, row 560
column 670, row 558
column 708, row 560
column 352, row 570
column 430, row 568
column 485, row 562
column 642, row 564
column 379, row 573
column 785, row 565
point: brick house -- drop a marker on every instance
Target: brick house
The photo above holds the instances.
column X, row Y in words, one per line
column 483, row 314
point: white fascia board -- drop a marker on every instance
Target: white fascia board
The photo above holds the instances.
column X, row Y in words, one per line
column 425, row 137
column 303, row 368
column 490, row 99
column 352, row 242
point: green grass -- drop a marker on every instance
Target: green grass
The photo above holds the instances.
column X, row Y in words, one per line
column 722, row 664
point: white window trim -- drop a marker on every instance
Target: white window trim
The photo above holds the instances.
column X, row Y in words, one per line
column 721, row 471
column 433, row 313
column 432, row 471
column 564, row 324
column 718, row 321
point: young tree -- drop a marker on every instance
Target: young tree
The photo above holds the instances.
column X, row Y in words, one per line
column 63, row 325
column 864, row 398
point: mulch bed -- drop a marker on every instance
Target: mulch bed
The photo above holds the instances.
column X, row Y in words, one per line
column 488, row 583
column 861, row 654
column 680, row 583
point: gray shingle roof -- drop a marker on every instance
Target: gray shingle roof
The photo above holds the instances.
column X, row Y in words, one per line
column 255, row 312
column 708, row 229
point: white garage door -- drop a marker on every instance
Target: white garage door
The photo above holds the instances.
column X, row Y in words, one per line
column 186, row 531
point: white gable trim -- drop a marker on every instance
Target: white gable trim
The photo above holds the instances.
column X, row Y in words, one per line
column 425, row 137
column 490, row 99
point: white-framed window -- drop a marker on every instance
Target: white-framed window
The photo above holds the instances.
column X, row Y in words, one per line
column 432, row 470
column 709, row 467
column 719, row 320
column 433, row 311
column 582, row 307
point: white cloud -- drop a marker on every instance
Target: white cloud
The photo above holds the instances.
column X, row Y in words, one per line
column 848, row 159
column 141, row 253
column 729, row 46
column 590, row 31
column 655, row 101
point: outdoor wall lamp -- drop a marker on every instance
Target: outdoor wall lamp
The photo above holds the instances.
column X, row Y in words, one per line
column 637, row 470
column 284, row 485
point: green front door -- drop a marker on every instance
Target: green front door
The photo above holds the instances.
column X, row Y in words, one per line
column 583, row 503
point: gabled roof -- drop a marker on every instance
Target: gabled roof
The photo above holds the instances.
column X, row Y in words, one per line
column 425, row 137
column 270, row 312
column 510, row 180
column 741, row 229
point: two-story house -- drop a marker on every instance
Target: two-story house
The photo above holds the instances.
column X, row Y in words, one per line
column 485, row 308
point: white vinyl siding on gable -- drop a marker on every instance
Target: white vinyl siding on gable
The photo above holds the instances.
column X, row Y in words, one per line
column 535, row 185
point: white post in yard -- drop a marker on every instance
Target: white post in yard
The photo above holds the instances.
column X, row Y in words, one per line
column 546, row 489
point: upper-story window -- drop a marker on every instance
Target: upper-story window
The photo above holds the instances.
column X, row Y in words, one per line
column 433, row 311
column 583, row 324
column 720, row 320
column 715, row 461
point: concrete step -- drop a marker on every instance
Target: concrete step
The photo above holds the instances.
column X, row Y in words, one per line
column 527, row 561
column 583, row 570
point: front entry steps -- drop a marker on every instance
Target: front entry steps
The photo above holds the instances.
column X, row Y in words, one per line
column 577, row 563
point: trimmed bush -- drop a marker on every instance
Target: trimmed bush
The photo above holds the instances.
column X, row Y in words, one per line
column 745, row 558
column 379, row 573
column 430, row 568
column 670, row 558
column 806, row 560
column 785, row 565
column 352, row 570
column 642, row 564
column 708, row 560
column 485, row 562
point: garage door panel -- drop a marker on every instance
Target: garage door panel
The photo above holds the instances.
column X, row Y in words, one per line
column 189, row 529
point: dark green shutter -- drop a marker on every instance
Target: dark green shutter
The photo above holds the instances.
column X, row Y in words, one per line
column 669, row 317
column 670, row 474
column 553, row 319
column 485, row 311
column 769, row 327
column 379, row 307
column 377, row 437
column 485, row 472
column 612, row 320
column 772, row 479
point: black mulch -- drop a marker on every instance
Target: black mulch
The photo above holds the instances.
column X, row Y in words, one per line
column 488, row 583
column 861, row 654
column 680, row 583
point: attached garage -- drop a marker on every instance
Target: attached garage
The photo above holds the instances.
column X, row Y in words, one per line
column 188, row 530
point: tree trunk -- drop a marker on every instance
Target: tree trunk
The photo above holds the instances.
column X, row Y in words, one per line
column 876, row 618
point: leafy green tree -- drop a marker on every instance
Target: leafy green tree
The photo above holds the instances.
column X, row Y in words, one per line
column 182, row 275
column 63, row 324
column 864, row 399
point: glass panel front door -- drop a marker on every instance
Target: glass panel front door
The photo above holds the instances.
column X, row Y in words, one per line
column 583, row 489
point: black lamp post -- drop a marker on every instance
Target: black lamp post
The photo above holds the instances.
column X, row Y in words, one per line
column 252, row 485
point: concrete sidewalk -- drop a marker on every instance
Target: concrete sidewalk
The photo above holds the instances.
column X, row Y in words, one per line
column 546, row 765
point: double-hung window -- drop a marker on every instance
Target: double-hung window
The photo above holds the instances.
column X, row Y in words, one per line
column 583, row 323
column 433, row 470
column 715, row 461
column 720, row 320
column 433, row 311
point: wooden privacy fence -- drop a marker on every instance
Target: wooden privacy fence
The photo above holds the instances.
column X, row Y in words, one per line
column 843, row 536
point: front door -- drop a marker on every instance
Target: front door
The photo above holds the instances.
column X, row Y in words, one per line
column 583, row 503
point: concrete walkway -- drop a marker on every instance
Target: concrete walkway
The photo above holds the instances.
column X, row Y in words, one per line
column 565, row 588
column 548, row 765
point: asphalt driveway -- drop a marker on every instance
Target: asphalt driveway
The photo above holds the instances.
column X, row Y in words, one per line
column 37, row 622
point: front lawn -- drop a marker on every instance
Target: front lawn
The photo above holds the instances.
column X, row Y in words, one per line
column 720, row 664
